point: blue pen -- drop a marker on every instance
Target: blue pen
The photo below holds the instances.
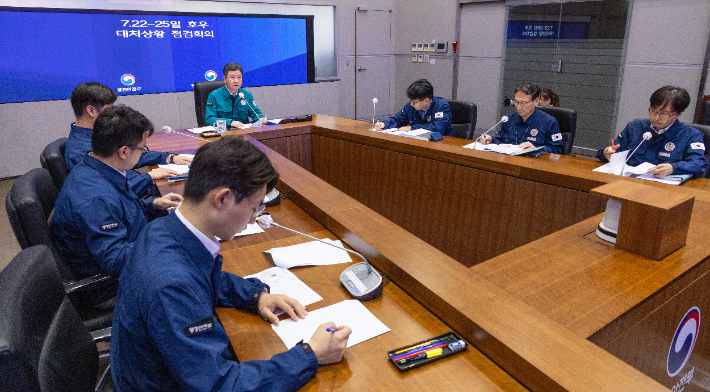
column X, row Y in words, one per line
column 332, row 329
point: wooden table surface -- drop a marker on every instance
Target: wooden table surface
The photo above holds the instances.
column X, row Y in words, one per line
column 540, row 348
column 365, row 366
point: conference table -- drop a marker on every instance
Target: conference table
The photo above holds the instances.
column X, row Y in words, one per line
column 499, row 249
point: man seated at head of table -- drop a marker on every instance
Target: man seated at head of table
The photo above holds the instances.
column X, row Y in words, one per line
column 165, row 335
column 528, row 127
column 424, row 111
column 88, row 101
column 232, row 103
column 97, row 216
column 675, row 148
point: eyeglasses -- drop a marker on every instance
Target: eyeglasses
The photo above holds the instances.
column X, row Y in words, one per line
column 521, row 103
column 144, row 150
column 657, row 113
column 258, row 209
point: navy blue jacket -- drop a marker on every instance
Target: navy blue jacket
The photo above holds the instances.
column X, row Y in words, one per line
column 97, row 218
column 436, row 119
column 540, row 129
column 171, row 284
column 79, row 145
column 680, row 145
column 219, row 107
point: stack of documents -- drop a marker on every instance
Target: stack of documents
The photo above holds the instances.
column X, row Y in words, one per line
column 421, row 134
column 202, row 129
column 617, row 164
column 283, row 281
column 350, row 312
column 309, row 253
column 508, row 149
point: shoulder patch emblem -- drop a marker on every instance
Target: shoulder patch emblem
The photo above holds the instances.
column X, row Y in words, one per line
column 109, row 226
column 556, row 137
column 439, row 115
column 200, row 327
column 697, row 146
column 670, row 146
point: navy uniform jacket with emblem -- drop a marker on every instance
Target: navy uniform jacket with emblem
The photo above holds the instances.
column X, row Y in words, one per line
column 97, row 218
column 79, row 145
column 165, row 334
column 540, row 129
column 219, row 107
column 680, row 145
column 436, row 119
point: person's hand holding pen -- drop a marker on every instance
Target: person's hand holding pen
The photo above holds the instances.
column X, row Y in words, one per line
column 329, row 342
column 379, row 125
column 611, row 149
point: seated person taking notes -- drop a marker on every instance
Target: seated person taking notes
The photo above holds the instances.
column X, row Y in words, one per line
column 88, row 100
column 675, row 148
column 528, row 127
column 231, row 102
column 424, row 111
column 165, row 336
column 97, row 216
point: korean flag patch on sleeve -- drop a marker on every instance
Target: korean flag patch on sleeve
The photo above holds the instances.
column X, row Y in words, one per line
column 439, row 115
column 556, row 137
column 697, row 146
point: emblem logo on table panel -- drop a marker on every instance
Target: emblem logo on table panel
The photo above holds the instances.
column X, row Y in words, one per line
column 210, row 75
column 670, row 146
column 128, row 79
column 533, row 132
column 683, row 342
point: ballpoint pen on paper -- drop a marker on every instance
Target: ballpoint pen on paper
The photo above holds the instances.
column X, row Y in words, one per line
column 332, row 329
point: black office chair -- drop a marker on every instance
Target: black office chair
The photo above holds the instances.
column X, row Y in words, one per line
column 706, row 113
column 202, row 91
column 30, row 206
column 705, row 129
column 567, row 120
column 44, row 345
column 52, row 159
column 463, row 119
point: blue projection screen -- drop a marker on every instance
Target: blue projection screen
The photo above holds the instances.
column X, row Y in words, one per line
column 47, row 52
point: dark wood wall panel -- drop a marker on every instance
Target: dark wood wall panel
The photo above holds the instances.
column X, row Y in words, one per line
column 297, row 149
column 469, row 214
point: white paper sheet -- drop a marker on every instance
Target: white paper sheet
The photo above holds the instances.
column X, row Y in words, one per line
column 182, row 169
column 252, row 228
column 309, row 253
column 350, row 312
column 283, row 281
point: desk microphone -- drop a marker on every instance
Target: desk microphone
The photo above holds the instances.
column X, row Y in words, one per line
column 361, row 280
column 646, row 136
column 502, row 120
column 241, row 95
column 374, row 109
column 167, row 129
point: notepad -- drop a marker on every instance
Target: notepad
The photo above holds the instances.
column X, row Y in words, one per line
column 309, row 253
column 283, row 281
column 350, row 312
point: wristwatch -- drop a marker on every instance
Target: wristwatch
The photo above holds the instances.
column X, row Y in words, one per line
column 171, row 158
